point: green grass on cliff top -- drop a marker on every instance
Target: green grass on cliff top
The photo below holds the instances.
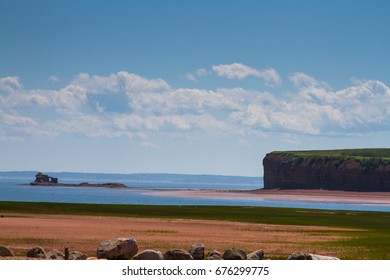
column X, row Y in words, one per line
column 381, row 153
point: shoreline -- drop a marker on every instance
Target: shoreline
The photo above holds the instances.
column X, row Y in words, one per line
column 84, row 184
column 296, row 195
column 288, row 195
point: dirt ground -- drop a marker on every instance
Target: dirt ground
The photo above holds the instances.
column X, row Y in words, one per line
column 80, row 233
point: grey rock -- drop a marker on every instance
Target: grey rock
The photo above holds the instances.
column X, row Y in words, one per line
column 177, row 254
column 256, row 255
column 307, row 256
column 6, row 252
column 117, row 249
column 76, row 255
column 37, row 253
column 322, row 257
column 234, row 254
column 299, row 256
column 214, row 253
column 149, row 255
column 55, row 255
column 197, row 251
column 214, row 257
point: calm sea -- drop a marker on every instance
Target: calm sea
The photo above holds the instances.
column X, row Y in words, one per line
column 10, row 190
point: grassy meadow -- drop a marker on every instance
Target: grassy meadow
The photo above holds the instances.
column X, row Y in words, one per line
column 366, row 234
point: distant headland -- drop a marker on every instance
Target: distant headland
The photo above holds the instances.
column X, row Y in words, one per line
column 366, row 170
column 46, row 180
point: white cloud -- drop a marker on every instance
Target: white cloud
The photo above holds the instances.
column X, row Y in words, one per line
column 301, row 79
column 241, row 71
column 16, row 119
column 54, row 79
column 201, row 72
column 152, row 105
column 10, row 84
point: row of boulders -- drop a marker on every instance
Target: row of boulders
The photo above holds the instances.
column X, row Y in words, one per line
column 40, row 253
column 127, row 249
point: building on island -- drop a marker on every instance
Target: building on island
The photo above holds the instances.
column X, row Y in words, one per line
column 43, row 178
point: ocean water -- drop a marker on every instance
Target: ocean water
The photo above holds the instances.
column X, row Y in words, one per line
column 10, row 190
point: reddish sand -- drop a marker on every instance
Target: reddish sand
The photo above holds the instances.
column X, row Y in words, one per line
column 324, row 196
column 21, row 232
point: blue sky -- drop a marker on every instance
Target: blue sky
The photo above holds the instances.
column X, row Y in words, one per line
column 200, row 87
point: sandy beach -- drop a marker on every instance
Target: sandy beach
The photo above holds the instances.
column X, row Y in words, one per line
column 319, row 196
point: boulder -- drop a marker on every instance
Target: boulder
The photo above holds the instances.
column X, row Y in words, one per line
column 149, row 255
column 177, row 254
column 214, row 255
column 6, row 252
column 117, row 249
column 299, row 256
column 197, row 251
column 76, row 255
column 234, row 254
column 256, row 255
column 37, row 253
column 306, row 256
column 322, row 257
column 55, row 255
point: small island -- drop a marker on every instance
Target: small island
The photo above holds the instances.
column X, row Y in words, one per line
column 46, row 180
column 363, row 170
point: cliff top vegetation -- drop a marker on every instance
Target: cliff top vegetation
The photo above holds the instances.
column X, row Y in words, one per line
column 382, row 153
column 369, row 158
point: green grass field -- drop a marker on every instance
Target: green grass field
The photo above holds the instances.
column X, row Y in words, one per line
column 368, row 239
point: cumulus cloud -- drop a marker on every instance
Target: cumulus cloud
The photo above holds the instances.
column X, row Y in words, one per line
column 241, row 71
column 152, row 105
column 54, row 79
column 201, row 72
column 10, row 84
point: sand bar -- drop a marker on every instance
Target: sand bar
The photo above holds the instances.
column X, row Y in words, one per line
column 315, row 196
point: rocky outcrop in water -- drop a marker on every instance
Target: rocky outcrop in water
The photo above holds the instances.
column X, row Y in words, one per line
column 286, row 171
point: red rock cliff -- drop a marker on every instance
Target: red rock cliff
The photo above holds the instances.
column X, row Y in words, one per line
column 289, row 172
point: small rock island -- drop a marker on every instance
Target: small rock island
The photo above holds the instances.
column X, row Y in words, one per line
column 364, row 170
column 46, row 180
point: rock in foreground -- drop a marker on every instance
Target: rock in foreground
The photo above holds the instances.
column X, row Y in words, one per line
column 36, row 253
column 234, row 254
column 149, row 255
column 177, row 254
column 197, row 251
column 256, row 255
column 117, row 249
column 6, row 252
column 308, row 256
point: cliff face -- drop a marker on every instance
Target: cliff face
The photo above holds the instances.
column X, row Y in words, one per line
column 289, row 172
